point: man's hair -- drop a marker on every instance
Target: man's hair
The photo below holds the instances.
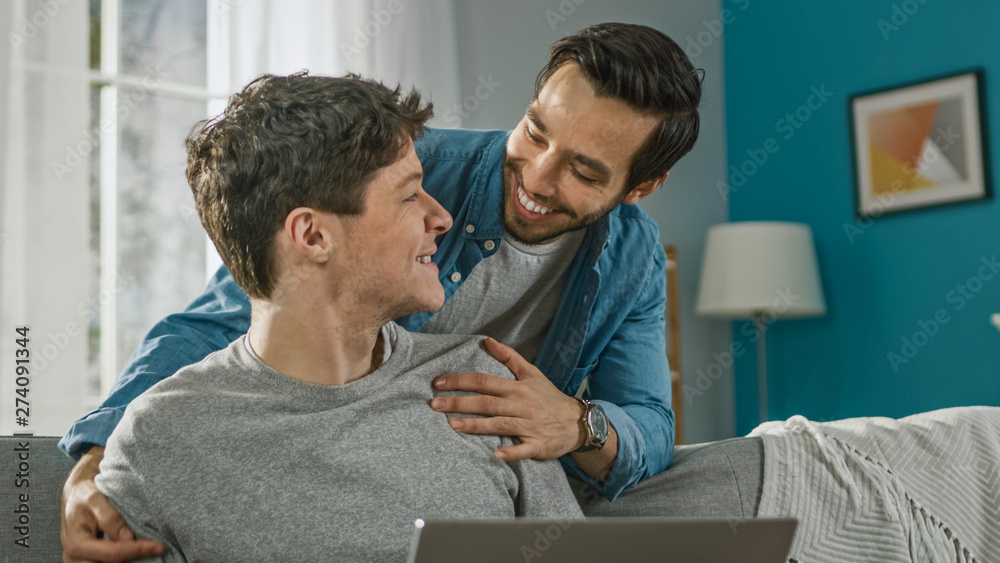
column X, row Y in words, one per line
column 292, row 141
column 650, row 73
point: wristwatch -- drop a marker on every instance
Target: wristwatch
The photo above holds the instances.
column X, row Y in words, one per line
column 595, row 426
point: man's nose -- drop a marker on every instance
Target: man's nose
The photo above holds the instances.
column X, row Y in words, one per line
column 438, row 219
column 546, row 175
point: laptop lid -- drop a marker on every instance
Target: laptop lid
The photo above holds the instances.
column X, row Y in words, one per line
column 636, row 540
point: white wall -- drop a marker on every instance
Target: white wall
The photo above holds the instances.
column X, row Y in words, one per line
column 507, row 43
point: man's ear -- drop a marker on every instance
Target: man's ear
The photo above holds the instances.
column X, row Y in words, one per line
column 644, row 189
column 309, row 233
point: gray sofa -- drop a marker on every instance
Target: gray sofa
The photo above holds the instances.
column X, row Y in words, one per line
column 41, row 480
column 678, row 492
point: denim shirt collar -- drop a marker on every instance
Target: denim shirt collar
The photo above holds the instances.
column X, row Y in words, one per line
column 486, row 204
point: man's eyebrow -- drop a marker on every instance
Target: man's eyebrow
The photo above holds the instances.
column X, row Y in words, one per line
column 595, row 165
column 418, row 176
column 533, row 116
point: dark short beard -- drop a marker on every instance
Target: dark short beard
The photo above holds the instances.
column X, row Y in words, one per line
column 513, row 225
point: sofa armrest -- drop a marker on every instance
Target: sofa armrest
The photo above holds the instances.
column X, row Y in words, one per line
column 32, row 474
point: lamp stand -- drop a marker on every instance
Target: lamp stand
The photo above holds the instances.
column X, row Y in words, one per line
column 761, row 366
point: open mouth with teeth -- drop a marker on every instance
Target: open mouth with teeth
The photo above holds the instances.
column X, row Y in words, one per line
column 424, row 259
column 531, row 205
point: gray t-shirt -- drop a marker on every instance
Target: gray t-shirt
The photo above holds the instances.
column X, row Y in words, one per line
column 229, row 460
column 512, row 296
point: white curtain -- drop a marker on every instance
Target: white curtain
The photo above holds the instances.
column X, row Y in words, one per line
column 44, row 247
column 397, row 41
column 48, row 137
column 406, row 42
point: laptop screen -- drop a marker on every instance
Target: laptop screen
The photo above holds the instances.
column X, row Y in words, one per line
column 636, row 540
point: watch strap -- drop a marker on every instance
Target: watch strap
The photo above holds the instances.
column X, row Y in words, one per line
column 588, row 441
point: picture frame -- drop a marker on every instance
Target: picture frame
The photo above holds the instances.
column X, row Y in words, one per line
column 920, row 144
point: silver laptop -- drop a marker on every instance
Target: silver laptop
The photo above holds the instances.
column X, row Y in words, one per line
column 636, row 540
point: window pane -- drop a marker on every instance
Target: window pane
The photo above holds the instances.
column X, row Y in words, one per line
column 165, row 39
column 94, row 302
column 161, row 245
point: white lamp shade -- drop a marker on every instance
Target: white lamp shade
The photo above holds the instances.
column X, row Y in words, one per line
column 759, row 267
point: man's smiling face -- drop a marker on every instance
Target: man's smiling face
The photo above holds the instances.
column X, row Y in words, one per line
column 385, row 253
column 569, row 158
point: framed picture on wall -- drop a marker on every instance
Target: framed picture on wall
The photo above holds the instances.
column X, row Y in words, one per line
column 919, row 144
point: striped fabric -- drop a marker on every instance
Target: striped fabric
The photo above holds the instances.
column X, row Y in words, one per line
column 925, row 488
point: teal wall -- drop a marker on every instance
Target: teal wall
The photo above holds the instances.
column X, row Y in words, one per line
column 885, row 282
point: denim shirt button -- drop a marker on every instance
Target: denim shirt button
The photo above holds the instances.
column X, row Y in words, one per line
column 489, row 245
column 470, row 228
column 455, row 277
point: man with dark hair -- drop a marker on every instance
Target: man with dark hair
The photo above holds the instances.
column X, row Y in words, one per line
column 550, row 256
column 310, row 189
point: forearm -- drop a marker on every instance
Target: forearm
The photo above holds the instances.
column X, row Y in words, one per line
column 644, row 447
column 632, row 383
column 598, row 463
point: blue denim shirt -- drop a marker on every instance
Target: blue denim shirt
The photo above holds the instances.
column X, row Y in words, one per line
column 609, row 324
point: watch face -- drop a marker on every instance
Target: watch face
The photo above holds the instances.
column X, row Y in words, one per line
column 598, row 423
